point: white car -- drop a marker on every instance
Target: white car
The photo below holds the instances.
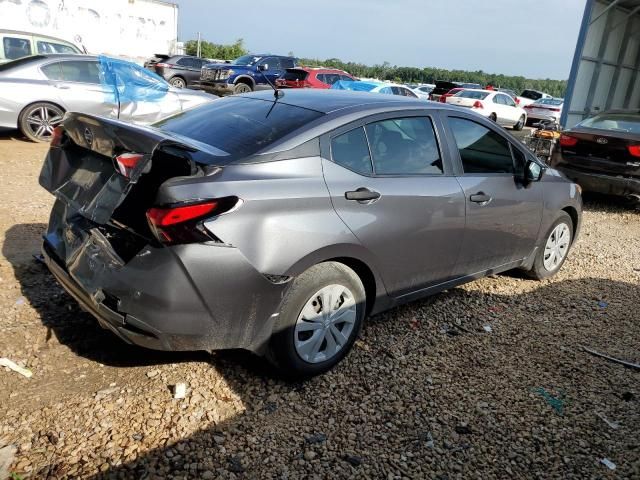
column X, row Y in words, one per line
column 394, row 89
column 423, row 91
column 527, row 97
column 545, row 109
column 494, row 105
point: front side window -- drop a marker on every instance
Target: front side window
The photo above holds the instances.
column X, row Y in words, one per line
column 481, row 150
column 16, row 47
column 351, row 151
column 51, row 47
column 404, row 146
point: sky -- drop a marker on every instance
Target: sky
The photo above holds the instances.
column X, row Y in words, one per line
column 533, row 38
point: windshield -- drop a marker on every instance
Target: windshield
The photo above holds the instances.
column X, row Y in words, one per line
column 246, row 60
column 618, row 122
column 474, row 94
column 239, row 126
column 556, row 102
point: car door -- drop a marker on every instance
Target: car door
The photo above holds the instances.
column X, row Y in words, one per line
column 512, row 114
column 272, row 73
column 503, row 215
column 80, row 88
column 190, row 68
column 391, row 184
column 499, row 108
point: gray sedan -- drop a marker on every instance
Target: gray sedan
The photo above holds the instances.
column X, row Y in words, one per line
column 36, row 91
column 278, row 225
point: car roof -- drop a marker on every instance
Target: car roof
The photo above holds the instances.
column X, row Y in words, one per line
column 330, row 101
column 33, row 34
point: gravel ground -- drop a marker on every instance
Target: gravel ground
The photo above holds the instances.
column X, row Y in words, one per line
column 426, row 393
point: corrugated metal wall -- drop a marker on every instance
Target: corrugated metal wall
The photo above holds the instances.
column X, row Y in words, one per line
column 605, row 67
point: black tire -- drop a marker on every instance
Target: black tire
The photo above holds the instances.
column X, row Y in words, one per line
column 178, row 82
column 36, row 121
column 282, row 351
column 539, row 271
column 493, row 117
column 520, row 125
column 242, row 87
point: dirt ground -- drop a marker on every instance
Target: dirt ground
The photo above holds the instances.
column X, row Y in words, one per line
column 427, row 392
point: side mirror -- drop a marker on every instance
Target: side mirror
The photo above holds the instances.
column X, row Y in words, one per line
column 264, row 67
column 533, row 171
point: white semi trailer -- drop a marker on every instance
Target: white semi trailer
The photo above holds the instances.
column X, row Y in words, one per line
column 132, row 29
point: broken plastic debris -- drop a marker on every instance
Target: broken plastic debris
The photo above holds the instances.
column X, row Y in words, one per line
column 179, row 390
column 612, row 359
column 603, row 304
column 20, row 301
column 613, row 425
column 557, row 403
column 487, row 328
column 5, row 362
column 608, row 463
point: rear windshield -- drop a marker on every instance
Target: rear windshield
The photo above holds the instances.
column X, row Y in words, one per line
column 474, row 94
column 617, row 122
column 239, row 126
column 531, row 94
column 471, row 85
column 295, row 75
column 556, row 102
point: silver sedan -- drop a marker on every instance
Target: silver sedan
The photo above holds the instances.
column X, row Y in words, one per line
column 36, row 91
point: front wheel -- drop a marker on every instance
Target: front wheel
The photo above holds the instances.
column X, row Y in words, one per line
column 520, row 125
column 242, row 88
column 557, row 243
column 38, row 120
column 320, row 319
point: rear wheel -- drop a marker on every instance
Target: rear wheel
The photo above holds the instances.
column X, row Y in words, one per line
column 320, row 319
column 555, row 249
column 242, row 88
column 520, row 125
column 178, row 82
column 38, row 120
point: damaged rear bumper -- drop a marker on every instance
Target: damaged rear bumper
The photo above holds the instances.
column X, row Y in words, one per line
column 187, row 297
column 599, row 183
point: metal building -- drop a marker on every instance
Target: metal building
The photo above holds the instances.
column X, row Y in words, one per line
column 605, row 71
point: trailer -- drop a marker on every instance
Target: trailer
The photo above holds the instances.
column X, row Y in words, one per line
column 606, row 64
column 131, row 29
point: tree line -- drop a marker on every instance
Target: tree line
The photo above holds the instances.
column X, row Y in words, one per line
column 386, row 71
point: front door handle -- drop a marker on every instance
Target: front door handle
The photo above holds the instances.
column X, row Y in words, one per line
column 362, row 195
column 481, row 198
column 62, row 87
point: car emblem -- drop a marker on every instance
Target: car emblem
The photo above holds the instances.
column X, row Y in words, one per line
column 602, row 141
column 88, row 136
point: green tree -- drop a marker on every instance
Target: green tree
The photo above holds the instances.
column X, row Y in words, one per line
column 217, row 51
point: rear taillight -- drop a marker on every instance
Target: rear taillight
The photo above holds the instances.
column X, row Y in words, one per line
column 567, row 141
column 443, row 99
column 184, row 223
column 634, row 150
column 517, row 101
column 126, row 162
column 478, row 104
column 164, row 65
column 57, row 136
column 554, row 109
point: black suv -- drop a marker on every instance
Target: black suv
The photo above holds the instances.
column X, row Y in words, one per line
column 179, row 70
column 245, row 74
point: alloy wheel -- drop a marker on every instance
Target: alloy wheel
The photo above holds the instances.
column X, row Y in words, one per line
column 325, row 324
column 556, row 247
column 42, row 119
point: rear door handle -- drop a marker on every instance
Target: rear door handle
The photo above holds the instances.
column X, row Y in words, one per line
column 362, row 195
column 480, row 197
column 62, row 87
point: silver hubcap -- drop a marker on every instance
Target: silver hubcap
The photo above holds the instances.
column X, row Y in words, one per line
column 557, row 247
column 42, row 120
column 176, row 82
column 325, row 324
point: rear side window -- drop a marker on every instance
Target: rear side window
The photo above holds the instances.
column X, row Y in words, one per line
column 294, row 75
column 481, row 150
column 80, row 71
column 16, row 47
column 52, row 71
column 239, row 126
column 287, row 63
column 404, row 146
column 352, row 151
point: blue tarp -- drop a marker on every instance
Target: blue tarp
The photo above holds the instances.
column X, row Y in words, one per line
column 130, row 82
column 357, row 86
